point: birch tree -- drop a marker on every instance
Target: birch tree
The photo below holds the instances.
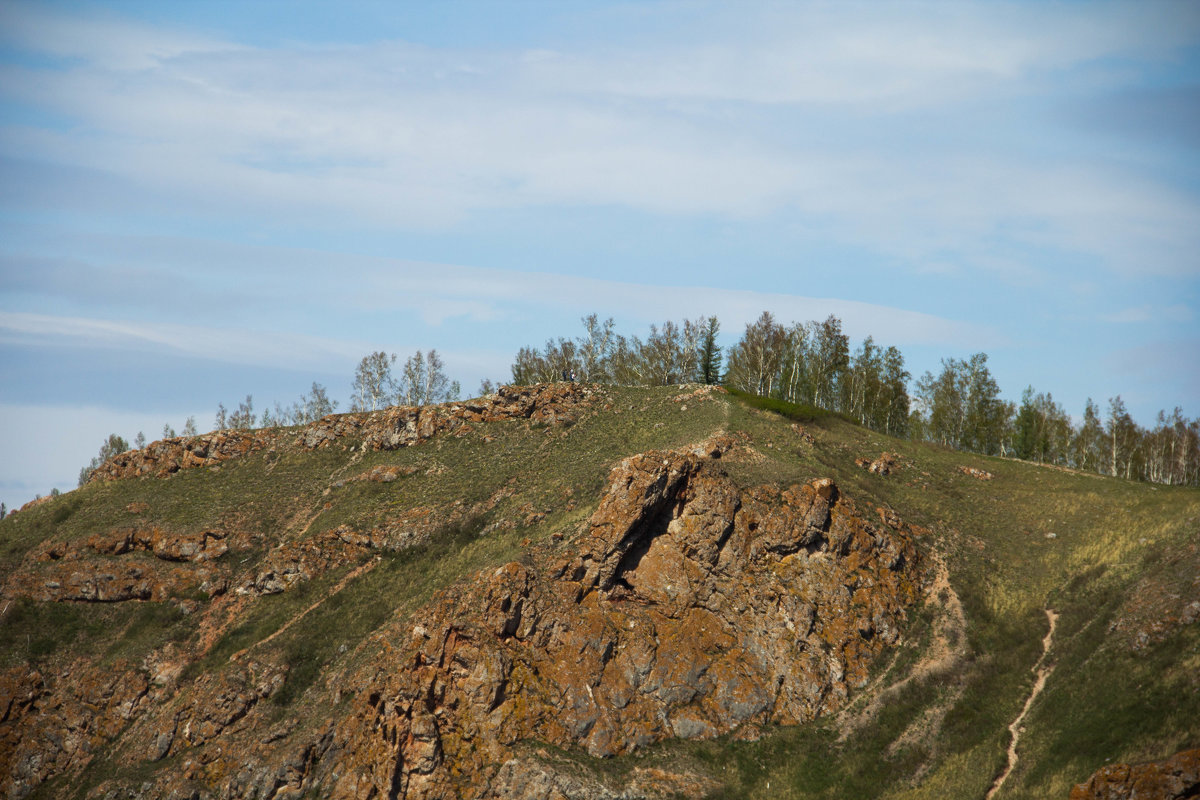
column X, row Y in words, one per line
column 373, row 384
column 754, row 362
column 113, row 445
column 423, row 381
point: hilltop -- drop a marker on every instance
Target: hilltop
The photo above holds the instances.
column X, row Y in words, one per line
column 590, row 591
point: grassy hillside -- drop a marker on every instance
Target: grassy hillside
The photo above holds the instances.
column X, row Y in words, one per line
column 1118, row 561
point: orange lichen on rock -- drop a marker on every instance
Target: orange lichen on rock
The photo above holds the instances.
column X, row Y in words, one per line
column 388, row 429
column 1171, row 779
column 690, row 608
column 884, row 465
column 974, row 472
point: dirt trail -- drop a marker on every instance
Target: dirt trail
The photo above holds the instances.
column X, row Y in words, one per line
column 1043, row 672
column 349, row 576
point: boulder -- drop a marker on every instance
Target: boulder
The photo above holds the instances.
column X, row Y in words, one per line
column 1173, row 778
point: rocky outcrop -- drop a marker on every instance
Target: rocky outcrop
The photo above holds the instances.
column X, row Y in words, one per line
column 300, row 560
column 163, row 458
column 689, row 608
column 134, row 564
column 55, row 723
column 1172, row 779
column 405, row 426
column 214, row 706
column 389, row 429
column 685, row 606
column 884, row 465
column 975, row 472
column 537, row 779
column 203, row 546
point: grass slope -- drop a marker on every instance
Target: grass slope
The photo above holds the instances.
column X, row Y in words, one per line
column 1098, row 550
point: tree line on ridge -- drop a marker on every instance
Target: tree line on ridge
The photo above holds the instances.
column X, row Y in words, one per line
column 809, row 363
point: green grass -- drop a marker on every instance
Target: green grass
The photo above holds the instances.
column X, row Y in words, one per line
column 797, row 412
column 30, row 631
column 34, row 632
column 396, row 585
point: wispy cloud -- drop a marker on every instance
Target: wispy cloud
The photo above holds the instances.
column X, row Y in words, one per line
column 993, row 176
column 105, row 41
column 43, row 447
column 392, row 134
column 415, row 296
column 1176, row 312
column 229, row 345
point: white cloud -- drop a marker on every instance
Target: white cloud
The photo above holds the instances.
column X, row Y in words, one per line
column 292, row 283
column 105, row 41
column 868, row 55
column 1151, row 313
column 793, row 117
column 230, row 345
column 1158, row 374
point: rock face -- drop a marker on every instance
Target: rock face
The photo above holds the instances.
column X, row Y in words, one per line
column 537, row 780
column 389, row 429
column 1172, row 779
column 160, row 459
column 690, row 608
column 54, row 724
column 405, row 426
column 153, row 564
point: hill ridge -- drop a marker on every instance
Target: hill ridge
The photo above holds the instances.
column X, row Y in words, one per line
column 221, row 631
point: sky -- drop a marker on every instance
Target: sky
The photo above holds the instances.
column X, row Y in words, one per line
column 204, row 200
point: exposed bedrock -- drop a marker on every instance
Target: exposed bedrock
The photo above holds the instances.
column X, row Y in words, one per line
column 689, row 608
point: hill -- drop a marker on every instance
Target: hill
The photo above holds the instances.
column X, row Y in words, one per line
column 586, row 591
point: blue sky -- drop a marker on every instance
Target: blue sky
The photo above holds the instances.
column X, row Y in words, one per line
column 204, row 200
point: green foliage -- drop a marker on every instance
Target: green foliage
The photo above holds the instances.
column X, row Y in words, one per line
column 710, row 353
column 309, row 408
column 962, row 407
column 798, row 412
column 113, row 445
column 670, row 354
column 423, row 381
column 755, row 361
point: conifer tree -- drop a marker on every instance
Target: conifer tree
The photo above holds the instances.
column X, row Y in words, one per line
column 709, row 357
